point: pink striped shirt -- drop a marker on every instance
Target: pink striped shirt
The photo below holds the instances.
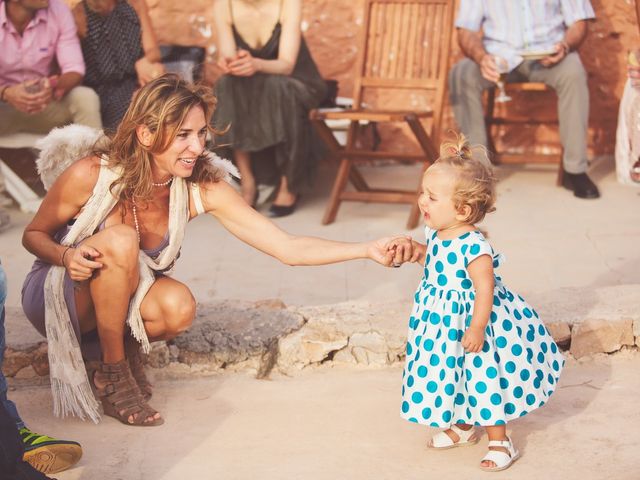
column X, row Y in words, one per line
column 48, row 39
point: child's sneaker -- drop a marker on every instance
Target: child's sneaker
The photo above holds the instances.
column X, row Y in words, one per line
column 49, row 455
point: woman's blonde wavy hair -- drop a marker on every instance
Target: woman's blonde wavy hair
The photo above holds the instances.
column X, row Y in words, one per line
column 162, row 106
column 475, row 182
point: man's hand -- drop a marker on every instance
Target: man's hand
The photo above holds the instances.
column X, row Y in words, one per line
column 489, row 68
column 561, row 50
column 18, row 96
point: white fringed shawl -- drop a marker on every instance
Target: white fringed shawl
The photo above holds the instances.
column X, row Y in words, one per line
column 69, row 384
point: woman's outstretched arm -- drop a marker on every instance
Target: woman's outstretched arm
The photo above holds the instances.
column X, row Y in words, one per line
column 221, row 201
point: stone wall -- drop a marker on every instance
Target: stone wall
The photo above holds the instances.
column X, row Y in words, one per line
column 331, row 28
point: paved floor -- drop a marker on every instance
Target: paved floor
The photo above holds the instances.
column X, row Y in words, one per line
column 344, row 424
column 550, row 238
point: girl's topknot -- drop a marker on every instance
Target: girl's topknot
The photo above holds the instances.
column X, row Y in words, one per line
column 475, row 185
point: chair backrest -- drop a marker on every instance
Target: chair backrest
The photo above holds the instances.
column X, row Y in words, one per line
column 405, row 44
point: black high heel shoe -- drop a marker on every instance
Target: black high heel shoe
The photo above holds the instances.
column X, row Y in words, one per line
column 277, row 211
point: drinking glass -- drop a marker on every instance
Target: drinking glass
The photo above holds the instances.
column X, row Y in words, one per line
column 34, row 84
column 503, row 69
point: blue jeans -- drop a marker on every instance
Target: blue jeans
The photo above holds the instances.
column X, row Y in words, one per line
column 8, row 404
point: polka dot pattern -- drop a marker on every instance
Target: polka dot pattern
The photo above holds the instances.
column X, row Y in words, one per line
column 516, row 371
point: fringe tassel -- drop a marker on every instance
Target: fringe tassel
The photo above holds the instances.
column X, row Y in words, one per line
column 75, row 400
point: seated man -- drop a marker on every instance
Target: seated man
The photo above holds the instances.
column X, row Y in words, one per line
column 497, row 31
column 38, row 37
column 46, row 454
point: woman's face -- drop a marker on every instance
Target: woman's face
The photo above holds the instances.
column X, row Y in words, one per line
column 180, row 158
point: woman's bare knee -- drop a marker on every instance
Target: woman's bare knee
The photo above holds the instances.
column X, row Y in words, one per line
column 119, row 244
column 179, row 310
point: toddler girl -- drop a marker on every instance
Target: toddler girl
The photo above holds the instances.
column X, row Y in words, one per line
column 477, row 353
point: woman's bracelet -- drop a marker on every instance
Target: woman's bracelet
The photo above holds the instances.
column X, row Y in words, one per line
column 63, row 254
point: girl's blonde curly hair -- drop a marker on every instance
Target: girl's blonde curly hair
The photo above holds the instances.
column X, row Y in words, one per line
column 475, row 182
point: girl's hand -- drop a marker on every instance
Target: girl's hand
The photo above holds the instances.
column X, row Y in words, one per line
column 402, row 250
column 244, row 65
column 223, row 64
column 473, row 339
column 380, row 251
column 78, row 262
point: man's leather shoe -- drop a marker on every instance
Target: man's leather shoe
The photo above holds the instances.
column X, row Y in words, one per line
column 580, row 184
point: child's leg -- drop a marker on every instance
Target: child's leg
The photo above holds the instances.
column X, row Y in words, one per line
column 496, row 432
column 440, row 441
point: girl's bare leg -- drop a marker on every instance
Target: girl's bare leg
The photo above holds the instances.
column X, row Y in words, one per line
column 285, row 197
column 496, row 432
column 247, row 181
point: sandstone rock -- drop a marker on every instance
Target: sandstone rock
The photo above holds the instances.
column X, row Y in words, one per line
column 27, row 372
column 561, row 333
column 636, row 331
column 159, row 356
column 598, row 335
column 14, row 361
column 40, row 360
column 227, row 333
column 273, row 303
column 311, row 345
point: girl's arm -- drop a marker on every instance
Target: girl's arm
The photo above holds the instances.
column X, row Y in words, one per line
column 223, row 202
column 481, row 273
column 148, row 67
column 226, row 42
column 62, row 203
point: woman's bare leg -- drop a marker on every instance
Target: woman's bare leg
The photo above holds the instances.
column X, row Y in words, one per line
column 103, row 301
column 247, row 181
column 168, row 309
column 285, row 197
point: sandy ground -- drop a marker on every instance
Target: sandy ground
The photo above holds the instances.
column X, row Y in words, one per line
column 344, row 424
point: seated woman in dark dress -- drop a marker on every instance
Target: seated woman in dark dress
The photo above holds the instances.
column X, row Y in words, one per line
column 120, row 51
column 269, row 86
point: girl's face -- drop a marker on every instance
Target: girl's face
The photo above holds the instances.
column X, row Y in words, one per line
column 180, row 158
column 436, row 198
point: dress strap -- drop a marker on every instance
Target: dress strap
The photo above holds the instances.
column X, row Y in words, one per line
column 197, row 198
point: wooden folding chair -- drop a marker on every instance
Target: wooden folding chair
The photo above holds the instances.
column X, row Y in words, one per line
column 404, row 44
column 492, row 120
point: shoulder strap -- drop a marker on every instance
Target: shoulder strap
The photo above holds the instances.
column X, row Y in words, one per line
column 197, row 198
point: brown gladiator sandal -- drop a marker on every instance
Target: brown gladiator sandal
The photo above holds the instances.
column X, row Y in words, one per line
column 121, row 398
column 132, row 352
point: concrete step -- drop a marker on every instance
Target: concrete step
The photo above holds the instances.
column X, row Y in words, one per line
column 262, row 336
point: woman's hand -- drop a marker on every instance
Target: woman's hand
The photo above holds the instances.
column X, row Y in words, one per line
column 78, row 262
column 473, row 339
column 244, row 65
column 391, row 251
column 147, row 70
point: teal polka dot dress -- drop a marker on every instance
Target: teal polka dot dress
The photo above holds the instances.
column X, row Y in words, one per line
column 516, row 371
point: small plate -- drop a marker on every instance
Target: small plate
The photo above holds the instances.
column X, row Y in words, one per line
column 536, row 54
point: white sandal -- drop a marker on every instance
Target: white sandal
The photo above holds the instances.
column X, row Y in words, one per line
column 442, row 441
column 501, row 459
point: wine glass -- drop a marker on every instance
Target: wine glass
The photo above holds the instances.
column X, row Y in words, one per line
column 503, row 69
